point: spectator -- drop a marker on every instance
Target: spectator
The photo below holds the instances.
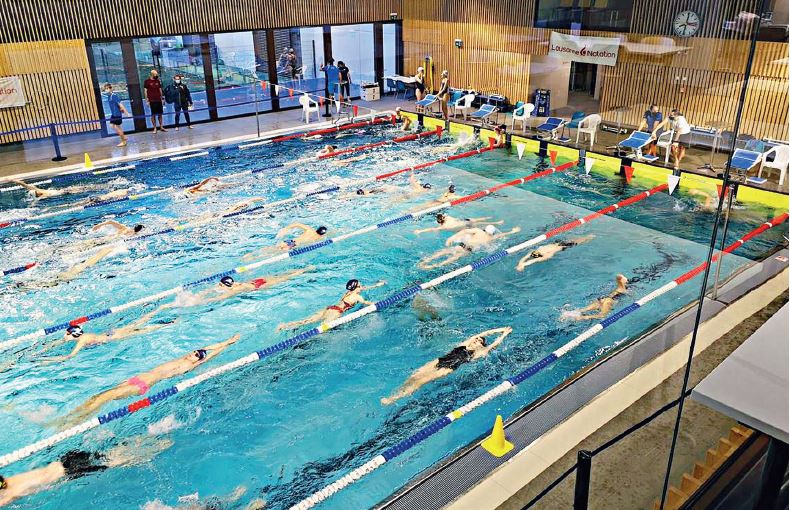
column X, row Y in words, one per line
column 117, row 111
column 156, row 52
column 682, row 138
column 282, row 61
column 152, row 90
column 419, row 84
column 649, row 120
column 332, row 77
column 444, row 94
column 345, row 80
column 293, row 65
column 183, row 100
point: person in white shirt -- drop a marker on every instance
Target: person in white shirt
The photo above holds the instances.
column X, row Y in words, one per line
column 682, row 139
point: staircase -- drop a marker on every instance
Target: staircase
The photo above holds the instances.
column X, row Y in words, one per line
column 714, row 458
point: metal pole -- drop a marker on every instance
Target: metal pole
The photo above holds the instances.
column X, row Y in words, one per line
column 54, row 133
column 730, row 190
column 706, row 274
column 255, row 85
column 581, row 492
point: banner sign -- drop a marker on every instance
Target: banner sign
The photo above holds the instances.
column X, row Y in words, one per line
column 11, row 93
column 593, row 50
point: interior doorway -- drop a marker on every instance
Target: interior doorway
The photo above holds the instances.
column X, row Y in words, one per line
column 583, row 77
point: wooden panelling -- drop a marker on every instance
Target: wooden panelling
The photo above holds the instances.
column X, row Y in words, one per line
column 47, row 20
column 57, row 85
column 700, row 75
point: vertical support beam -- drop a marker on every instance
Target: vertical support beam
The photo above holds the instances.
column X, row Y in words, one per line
column 378, row 55
column 97, row 88
column 271, row 60
column 581, row 492
column 399, row 49
column 327, row 56
column 133, row 84
column 208, row 75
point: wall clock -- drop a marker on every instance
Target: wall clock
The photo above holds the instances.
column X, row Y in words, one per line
column 686, row 24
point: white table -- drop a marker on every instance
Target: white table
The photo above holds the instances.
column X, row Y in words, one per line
column 405, row 79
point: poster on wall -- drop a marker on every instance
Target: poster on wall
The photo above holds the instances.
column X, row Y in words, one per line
column 11, row 92
column 593, row 50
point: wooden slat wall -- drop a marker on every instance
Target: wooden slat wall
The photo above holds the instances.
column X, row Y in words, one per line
column 57, row 85
column 499, row 40
column 48, row 20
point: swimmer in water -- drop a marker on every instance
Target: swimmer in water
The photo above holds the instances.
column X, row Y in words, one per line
column 500, row 133
column 141, row 383
column 466, row 241
column 81, row 339
column 447, row 222
column 351, row 298
column 194, row 502
column 228, row 288
column 361, row 192
column 75, row 464
column 41, row 193
column 327, row 151
column 473, row 348
column 347, row 161
column 602, row 305
column 74, row 271
column 112, row 195
column 308, row 236
column 710, row 201
column 548, row 251
column 416, row 188
column 403, row 119
column 207, row 185
column 447, row 196
column 118, row 228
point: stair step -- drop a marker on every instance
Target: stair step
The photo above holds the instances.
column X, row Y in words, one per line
column 675, row 499
column 701, row 471
column 725, row 447
column 736, row 437
column 713, row 459
column 689, row 484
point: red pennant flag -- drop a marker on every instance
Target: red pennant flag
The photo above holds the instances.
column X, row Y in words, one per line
column 320, row 101
column 491, row 141
column 439, row 130
column 291, row 92
column 394, row 120
column 355, row 109
column 263, row 85
column 719, row 191
column 629, row 173
column 553, row 157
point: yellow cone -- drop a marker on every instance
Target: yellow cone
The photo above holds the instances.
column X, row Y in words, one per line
column 497, row 444
column 88, row 162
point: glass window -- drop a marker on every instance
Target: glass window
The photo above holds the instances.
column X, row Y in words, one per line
column 612, row 15
column 239, row 64
column 171, row 55
column 300, row 55
column 108, row 60
column 390, row 50
column 353, row 45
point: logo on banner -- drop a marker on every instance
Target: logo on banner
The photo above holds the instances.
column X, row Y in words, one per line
column 11, row 93
column 592, row 50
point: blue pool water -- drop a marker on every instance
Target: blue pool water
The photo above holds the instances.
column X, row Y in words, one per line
column 288, row 425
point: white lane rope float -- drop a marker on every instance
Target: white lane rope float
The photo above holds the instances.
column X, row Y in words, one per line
column 267, row 352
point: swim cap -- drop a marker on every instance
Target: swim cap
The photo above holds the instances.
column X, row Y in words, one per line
column 74, row 331
column 360, row 192
column 440, row 218
column 451, row 189
column 3, row 483
column 352, row 284
column 138, row 228
column 426, row 185
column 482, row 339
column 201, row 354
column 490, row 229
column 227, row 281
column 320, row 230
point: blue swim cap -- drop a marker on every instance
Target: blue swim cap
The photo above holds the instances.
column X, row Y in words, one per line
column 320, row 231
column 201, row 354
column 352, row 284
column 227, row 281
column 74, row 331
column 427, row 185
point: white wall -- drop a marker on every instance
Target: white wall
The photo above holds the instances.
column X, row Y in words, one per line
column 550, row 73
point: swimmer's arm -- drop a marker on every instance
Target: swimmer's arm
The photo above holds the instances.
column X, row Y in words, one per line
column 512, row 231
column 25, row 185
column 109, row 223
column 381, row 283
column 431, row 229
column 57, row 359
column 661, row 125
column 217, row 348
column 451, row 240
column 293, row 226
column 504, row 332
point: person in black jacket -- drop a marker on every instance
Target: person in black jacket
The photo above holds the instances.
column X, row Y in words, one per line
column 183, row 100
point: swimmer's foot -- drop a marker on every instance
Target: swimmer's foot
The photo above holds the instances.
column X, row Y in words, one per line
column 387, row 401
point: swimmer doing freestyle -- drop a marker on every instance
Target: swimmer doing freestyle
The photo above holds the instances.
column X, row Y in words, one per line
column 447, row 222
column 602, row 305
column 466, row 241
column 350, row 299
column 548, row 251
column 473, row 348
column 308, row 236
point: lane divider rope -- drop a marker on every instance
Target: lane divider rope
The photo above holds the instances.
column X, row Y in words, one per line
column 192, row 224
column 512, row 382
column 159, row 396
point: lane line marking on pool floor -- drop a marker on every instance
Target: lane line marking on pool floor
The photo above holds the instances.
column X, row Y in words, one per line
column 300, row 196
column 159, row 396
column 309, row 159
column 424, row 433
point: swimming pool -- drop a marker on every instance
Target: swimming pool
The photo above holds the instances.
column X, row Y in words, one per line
column 289, row 425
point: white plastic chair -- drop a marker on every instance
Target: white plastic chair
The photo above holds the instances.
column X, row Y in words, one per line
column 309, row 106
column 589, row 126
column 463, row 105
column 781, row 161
column 665, row 142
column 521, row 114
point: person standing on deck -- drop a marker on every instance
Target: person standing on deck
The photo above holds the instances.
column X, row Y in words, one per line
column 117, row 111
column 183, row 100
column 152, row 90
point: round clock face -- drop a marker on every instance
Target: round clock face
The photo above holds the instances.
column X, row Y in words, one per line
column 686, row 24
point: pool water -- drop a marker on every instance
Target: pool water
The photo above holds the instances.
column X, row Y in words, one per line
column 288, row 425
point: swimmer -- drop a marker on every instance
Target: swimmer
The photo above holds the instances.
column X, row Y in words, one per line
column 466, row 241
column 141, row 383
column 351, row 298
column 361, row 192
column 81, row 339
column 447, row 196
column 78, row 463
column 74, row 271
column 501, row 136
column 548, row 251
column 41, row 193
column 406, row 121
column 228, row 287
column 118, row 228
column 327, row 150
column 447, row 222
column 473, row 348
column 424, row 310
column 710, row 201
column 347, row 161
column 603, row 304
column 416, row 188
column 208, row 185
column 194, row 502
column 308, row 236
